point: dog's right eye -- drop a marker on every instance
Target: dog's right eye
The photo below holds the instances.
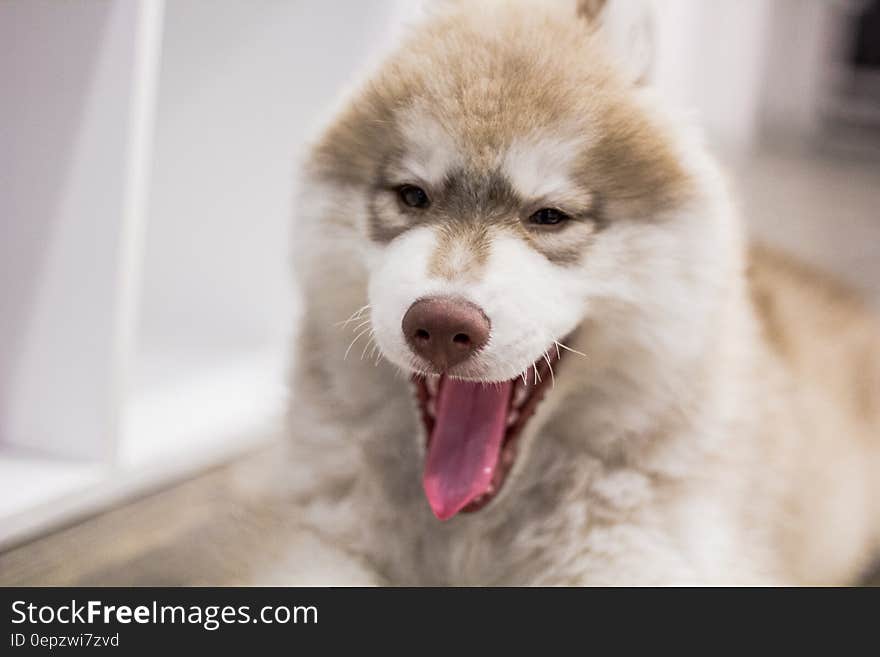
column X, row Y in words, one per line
column 548, row 217
column 413, row 197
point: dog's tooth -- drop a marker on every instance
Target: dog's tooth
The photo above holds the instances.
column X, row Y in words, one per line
column 433, row 384
column 512, row 417
column 520, row 394
column 431, row 407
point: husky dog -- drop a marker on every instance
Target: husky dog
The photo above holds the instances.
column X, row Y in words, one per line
column 562, row 363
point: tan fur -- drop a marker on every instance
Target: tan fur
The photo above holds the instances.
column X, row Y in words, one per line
column 827, row 342
column 823, row 331
column 461, row 250
column 590, row 9
column 507, row 64
column 723, row 426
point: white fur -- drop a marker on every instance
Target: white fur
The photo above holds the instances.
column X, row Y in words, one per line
column 529, row 301
column 540, row 167
column 431, row 151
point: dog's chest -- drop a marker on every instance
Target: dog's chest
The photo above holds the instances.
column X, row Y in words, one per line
column 550, row 529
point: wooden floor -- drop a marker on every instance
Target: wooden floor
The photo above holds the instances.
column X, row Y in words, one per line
column 211, row 530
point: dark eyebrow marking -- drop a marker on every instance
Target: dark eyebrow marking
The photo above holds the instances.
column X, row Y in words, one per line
column 379, row 230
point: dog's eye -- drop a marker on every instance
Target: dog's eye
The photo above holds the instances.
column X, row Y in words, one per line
column 548, row 217
column 413, row 197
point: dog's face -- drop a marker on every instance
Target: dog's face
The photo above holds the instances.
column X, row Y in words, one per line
column 506, row 184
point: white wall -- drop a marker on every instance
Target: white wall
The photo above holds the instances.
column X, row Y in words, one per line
column 243, row 84
column 67, row 76
column 711, row 60
column 239, row 92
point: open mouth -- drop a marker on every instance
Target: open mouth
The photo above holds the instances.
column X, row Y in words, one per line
column 472, row 429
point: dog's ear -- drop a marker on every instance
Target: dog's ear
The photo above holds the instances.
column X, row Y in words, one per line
column 627, row 27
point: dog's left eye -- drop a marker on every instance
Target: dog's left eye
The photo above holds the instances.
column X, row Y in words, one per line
column 548, row 217
column 413, row 197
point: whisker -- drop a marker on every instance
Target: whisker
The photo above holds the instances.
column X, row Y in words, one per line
column 361, row 325
column 367, row 346
column 356, row 338
column 567, row 348
column 377, row 353
column 355, row 315
column 550, row 365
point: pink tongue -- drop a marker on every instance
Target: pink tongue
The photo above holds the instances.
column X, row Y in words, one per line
column 465, row 444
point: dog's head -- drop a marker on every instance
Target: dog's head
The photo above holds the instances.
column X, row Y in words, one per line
column 509, row 181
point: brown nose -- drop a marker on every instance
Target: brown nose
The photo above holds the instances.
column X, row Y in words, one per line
column 445, row 330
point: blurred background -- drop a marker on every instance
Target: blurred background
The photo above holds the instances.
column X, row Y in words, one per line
column 148, row 152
